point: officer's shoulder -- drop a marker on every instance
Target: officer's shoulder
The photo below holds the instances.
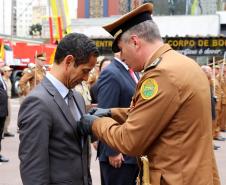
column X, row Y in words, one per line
column 154, row 64
column 27, row 71
column 32, row 70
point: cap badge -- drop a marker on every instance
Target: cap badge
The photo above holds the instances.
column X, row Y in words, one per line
column 117, row 33
column 149, row 89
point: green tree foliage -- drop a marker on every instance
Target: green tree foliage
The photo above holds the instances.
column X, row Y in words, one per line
column 35, row 30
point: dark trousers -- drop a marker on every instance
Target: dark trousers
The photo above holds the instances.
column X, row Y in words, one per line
column 2, row 123
column 125, row 175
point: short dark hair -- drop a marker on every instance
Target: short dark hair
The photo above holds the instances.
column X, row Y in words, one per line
column 78, row 45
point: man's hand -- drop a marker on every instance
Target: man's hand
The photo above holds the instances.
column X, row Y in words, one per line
column 100, row 112
column 85, row 124
column 116, row 161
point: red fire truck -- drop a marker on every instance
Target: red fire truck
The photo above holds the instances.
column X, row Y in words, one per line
column 18, row 54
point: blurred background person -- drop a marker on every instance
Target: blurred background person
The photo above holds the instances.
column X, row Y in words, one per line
column 6, row 73
column 208, row 71
column 115, row 88
column 102, row 63
column 218, row 95
column 223, row 103
column 93, row 87
column 83, row 89
column 3, row 112
column 33, row 75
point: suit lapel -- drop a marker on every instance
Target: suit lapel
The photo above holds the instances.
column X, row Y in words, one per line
column 80, row 103
column 61, row 104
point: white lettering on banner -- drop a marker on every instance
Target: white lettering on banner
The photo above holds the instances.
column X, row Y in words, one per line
column 212, row 51
column 200, row 51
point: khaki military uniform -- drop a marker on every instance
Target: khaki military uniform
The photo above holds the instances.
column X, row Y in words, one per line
column 30, row 79
column 83, row 89
column 223, row 111
column 218, row 94
column 169, row 121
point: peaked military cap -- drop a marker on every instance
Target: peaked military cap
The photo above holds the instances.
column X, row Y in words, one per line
column 6, row 68
column 127, row 21
column 41, row 56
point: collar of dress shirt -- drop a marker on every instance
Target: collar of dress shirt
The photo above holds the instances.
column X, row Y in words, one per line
column 63, row 90
column 123, row 63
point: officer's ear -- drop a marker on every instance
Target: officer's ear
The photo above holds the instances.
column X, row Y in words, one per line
column 134, row 40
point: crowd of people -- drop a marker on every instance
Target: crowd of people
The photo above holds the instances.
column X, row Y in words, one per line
column 134, row 104
column 217, row 77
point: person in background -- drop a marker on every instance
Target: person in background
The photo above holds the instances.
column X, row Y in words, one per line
column 208, row 72
column 52, row 149
column 223, row 102
column 169, row 118
column 6, row 73
column 3, row 112
column 104, row 63
column 100, row 66
column 83, row 89
column 93, row 87
column 33, row 75
column 218, row 95
column 115, row 88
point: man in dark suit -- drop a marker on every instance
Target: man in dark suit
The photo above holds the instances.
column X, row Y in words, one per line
column 115, row 88
column 3, row 111
column 52, row 150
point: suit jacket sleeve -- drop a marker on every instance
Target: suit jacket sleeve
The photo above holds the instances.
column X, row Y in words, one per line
column 34, row 128
column 108, row 97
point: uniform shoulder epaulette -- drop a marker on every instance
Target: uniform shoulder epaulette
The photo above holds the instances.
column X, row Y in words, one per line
column 27, row 70
column 153, row 64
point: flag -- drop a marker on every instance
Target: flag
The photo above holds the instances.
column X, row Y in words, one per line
column 2, row 53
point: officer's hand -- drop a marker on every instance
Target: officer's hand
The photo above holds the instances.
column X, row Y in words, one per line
column 100, row 112
column 85, row 124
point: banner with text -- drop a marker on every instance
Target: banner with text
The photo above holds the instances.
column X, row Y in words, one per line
column 191, row 46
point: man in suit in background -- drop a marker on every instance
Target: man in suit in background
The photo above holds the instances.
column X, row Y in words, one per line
column 7, row 71
column 52, row 150
column 3, row 111
column 115, row 88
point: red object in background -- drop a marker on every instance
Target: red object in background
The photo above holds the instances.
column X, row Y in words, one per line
column 23, row 50
column 60, row 28
column 113, row 7
column 81, row 9
column 51, row 29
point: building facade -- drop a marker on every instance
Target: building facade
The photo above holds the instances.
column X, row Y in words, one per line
column 105, row 8
column 5, row 16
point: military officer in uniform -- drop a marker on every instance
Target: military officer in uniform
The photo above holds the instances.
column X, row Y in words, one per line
column 223, row 102
column 218, row 95
column 169, row 119
column 33, row 76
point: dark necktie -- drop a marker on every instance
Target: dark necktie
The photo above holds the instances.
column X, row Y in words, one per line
column 71, row 105
column 74, row 111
